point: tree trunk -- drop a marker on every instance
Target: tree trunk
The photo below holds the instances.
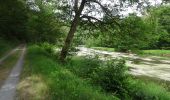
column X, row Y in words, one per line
column 73, row 28
column 69, row 38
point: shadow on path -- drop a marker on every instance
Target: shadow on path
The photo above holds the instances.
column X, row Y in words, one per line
column 8, row 89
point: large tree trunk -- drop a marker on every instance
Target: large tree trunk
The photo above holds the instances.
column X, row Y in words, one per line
column 69, row 38
column 73, row 28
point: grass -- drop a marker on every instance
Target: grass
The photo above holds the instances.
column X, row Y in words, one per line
column 164, row 53
column 148, row 91
column 44, row 79
column 7, row 65
column 139, row 89
column 147, row 79
column 104, row 49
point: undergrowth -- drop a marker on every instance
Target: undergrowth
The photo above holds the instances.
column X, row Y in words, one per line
column 58, row 82
column 82, row 78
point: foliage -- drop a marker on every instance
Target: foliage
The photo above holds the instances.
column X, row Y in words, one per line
column 6, row 46
column 84, row 67
column 13, row 18
column 29, row 21
column 113, row 77
column 165, row 53
column 150, row 31
column 148, row 91
column 133, row 34
column 160, row 18
column 43, row 25
column 85, row 78
column 61, row 83
column 49, row 48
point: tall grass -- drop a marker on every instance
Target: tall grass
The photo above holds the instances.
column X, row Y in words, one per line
column 58, row 82
column 45, row 78
column 165, row 53
column 133, row 89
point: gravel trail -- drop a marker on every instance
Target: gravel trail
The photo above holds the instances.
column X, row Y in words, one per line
column 8, row 89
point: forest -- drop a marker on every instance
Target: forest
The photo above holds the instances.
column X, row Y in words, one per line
column 84, row 50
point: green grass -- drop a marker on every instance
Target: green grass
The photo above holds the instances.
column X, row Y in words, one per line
column 45, row 79
column 148, row 91
column 147, row 79
column 104, row 49
column 139, row 89
column 164, row 53
column 143, row 53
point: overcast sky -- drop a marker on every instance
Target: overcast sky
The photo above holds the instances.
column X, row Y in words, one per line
column 132, row 9
column 126, row 8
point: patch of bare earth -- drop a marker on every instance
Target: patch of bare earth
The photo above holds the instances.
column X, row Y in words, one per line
column 32, row 88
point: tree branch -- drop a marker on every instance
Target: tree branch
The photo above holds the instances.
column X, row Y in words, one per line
column 90, row 18
column 105, row 10
column 80, row 9
column 76, row 6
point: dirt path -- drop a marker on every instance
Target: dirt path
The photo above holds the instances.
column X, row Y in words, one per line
column 8, row 89
column 152, row 66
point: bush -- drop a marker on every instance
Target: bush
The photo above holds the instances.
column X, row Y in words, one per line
column 147, row 91
column 67, row 86
column 113, row 77
column 84, row 66
column 47, row 47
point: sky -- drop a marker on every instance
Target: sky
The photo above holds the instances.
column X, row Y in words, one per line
column 132, row 9
column 126, row 9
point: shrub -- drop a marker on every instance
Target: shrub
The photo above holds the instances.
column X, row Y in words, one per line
column 147, row 91
column 67, row 86
column 84, row 66
column 47, row 47
column 113, row 77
